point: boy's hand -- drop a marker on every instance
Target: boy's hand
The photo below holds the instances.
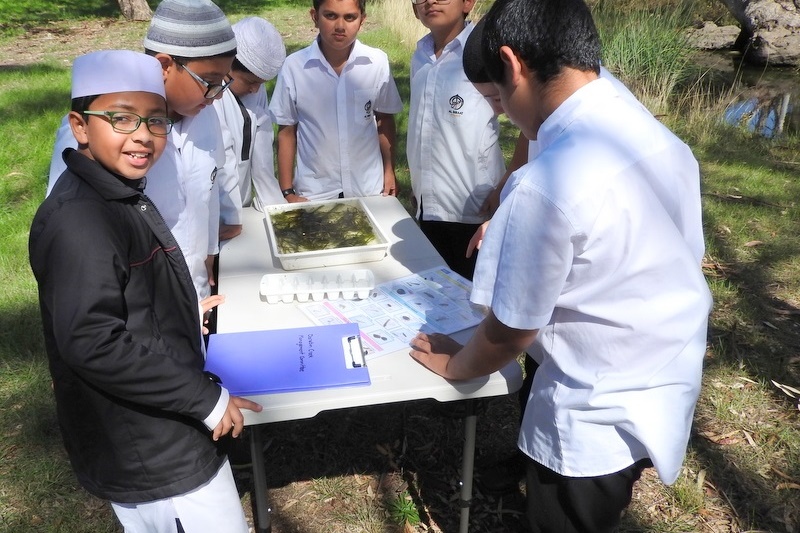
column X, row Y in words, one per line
column 295, row 199
column 477, row 239
column 491, row 203
column 229, row 231
column 389, row 183
column 233, row 421
column 434, row 351
column 209, row 262
column 207, row 304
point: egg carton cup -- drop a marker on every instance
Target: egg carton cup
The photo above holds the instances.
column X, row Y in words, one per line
column 317, row 286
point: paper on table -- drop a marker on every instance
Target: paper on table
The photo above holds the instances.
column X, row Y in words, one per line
column 435, row 300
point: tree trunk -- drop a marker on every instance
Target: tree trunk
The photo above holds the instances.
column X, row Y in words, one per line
column 135, row 9
column 770, row 30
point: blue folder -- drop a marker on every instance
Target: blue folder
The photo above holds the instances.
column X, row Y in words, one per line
column 287, row 360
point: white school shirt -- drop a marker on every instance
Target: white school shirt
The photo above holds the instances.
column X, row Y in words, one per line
column 533, row 147
column 607, row 223
column 248, row 138
column 337, row 135
column 181, row 184
column 196, row 159
column 453, row 144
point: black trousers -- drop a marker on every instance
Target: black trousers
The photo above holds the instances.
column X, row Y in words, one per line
column 560, row 504
column 451, row 239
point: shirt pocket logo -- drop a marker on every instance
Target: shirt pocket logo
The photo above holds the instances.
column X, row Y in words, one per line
column 456, row 103
column 363, row 105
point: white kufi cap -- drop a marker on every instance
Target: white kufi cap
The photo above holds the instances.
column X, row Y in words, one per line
column 116, row 71
column 259, row 47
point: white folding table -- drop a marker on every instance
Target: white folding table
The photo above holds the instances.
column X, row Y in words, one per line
column 395, row 377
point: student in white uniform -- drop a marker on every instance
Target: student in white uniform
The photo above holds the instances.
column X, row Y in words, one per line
column 453, row 145
column 246, row 124
column 504, row 477
column 334, row 103
column 195, row 45
column 592, row 265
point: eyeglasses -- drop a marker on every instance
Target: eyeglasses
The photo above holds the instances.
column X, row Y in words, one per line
column 212, row 91
column 438, row 2
column 127, row 122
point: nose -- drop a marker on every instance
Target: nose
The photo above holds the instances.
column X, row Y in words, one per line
column 141, row 133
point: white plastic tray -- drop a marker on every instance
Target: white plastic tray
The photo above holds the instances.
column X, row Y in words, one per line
column 330, row 257
column 305, row 286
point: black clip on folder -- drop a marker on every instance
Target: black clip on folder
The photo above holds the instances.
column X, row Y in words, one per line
column 287, row 360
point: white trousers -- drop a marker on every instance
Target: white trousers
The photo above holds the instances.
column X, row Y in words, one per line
column 213, row 506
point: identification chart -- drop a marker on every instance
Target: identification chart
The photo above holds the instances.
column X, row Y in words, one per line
column 433, row 301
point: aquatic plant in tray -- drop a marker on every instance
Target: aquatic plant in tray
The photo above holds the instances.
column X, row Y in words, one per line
column 324, row 233
column 322, row 227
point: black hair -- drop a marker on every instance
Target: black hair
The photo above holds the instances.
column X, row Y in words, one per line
column 472, row 58
column 82, row 103
column 237, row 65
column 362, row 5
column 548, row 35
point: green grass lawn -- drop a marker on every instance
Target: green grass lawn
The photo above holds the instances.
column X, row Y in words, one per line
column 744, row 459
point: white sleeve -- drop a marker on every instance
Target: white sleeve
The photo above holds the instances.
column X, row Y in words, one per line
column 64, row 140
column 388, row 101
column 282, row 107
column 230, row 197
column 262, row 165
column 524, row 297
column 215, row 417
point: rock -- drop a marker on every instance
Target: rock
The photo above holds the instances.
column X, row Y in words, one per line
column 770, row 30
column 712, row 37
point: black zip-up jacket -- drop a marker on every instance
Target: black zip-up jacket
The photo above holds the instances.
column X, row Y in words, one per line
column 122, row 332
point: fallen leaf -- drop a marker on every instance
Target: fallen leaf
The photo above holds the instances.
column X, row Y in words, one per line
column 786, row 389
column 780, row 486
column 750, row 244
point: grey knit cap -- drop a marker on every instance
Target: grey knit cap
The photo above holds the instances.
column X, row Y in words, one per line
column 189, row 28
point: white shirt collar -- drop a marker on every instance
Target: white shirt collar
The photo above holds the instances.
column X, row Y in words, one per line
column 358, row 55
column 589, row 95
column 426, row 43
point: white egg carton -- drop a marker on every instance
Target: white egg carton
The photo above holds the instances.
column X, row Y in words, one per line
column 316, row 286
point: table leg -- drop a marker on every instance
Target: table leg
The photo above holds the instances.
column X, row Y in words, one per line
column 467, row 464
column 261, row 517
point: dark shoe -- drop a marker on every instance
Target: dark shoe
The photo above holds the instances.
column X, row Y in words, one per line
column 503, row 477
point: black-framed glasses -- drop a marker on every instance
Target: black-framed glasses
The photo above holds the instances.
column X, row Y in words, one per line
column 420, row 2
column 127, row 122
column 212, row 90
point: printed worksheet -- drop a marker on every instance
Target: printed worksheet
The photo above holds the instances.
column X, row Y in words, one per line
column 434, row 301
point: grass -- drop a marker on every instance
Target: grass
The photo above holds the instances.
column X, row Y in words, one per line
column 742, row 471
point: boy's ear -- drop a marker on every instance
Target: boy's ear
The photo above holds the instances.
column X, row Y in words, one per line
column 166, row 63
column 514, row 67
column 468, row 5
column 77, row 123
column 313, row 13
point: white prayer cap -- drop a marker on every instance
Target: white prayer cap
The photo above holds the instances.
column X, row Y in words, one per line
column 116, row 71
column 259, row 47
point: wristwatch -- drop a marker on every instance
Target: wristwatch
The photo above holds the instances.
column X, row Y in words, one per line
column 287, row 192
